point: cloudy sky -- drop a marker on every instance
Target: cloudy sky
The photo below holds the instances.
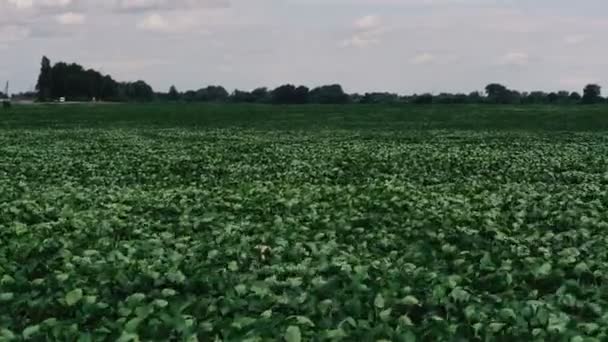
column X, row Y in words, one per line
column 404, row 46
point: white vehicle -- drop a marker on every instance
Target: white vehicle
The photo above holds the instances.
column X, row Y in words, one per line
column 62, row 99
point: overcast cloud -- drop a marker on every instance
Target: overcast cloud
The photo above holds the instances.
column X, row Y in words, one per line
column 404, row 46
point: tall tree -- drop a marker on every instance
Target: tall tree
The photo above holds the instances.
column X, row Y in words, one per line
column 173, row 94
column 591, row 94
column 45, row 80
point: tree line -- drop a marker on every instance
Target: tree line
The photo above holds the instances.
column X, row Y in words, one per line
column 75, row 83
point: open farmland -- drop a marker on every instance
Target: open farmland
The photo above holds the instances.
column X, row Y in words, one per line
column 360, row 223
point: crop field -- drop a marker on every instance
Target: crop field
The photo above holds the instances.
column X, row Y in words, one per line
column 304, row 223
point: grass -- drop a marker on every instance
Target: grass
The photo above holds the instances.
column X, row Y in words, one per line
column 359, row 117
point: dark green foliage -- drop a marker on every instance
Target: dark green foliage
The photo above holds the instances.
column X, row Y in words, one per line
column 575, row 97
column 45, row 80
column 212, row 94
column 445, row 98
column 352, row 116
column 377, row 98
column 239, row 96
column 422, row 99
column 261, row 95
column 329, row 94
column 592, row 94
column 75, row 83
column 289, row 94
column 135, row 91
column 499, row 94
column 258, row 223
column 173, row 94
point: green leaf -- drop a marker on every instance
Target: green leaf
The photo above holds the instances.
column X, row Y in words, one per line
column 161, row 303
column 233, row 266
column 303, row 320
column 409, row 336
column 385, row 315
column 6, row 334
column 410, row 301
column 405, row 320
column 335, row 334
column 543, row 271
column 30, row 331
column 240, row 289
column 581, row 268
column 379, row 301
column 242, row 322
column 73, row 297
column 128, row 337
column 168, row 292
column 293, row 334
column 460, row 295
column 5, row 297
column 496, row 327
column 507, row 314
column 132, row 325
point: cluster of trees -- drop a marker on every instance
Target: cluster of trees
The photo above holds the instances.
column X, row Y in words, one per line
column 75, row 83
column 497, row 93
column 285, row 94
column 334, row 94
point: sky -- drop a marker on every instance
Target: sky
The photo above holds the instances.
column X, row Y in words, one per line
column 403, row 46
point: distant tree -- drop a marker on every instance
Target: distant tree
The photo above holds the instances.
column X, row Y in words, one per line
column 240, row 96
column 575, row 97
column 136, row 91
column 189, row 96
column 377, row 98
column 475, row 97
column 173, row 94
column 212, row 94
column 260, row 95
column 301, row 95
column 495, row 90
column 446, row 98
column 423, row 99
column 535, row 97
column 3, row 95
column 44, row 80
column 285, row 94
column 592, row 94
column 328, row 94
column 498, row 93
column 552, row 97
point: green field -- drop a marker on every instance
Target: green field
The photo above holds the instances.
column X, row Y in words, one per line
column 261, row 223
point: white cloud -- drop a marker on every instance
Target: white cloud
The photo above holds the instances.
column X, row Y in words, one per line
column 368, row 22
column 12, row 33
column 574, row 39
column 154, row 22
column 155, row 5
column 27, row 4
column 423, row 58
column 367, row 32
column 359, row 41
column 515, row 58
column 70, row 18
